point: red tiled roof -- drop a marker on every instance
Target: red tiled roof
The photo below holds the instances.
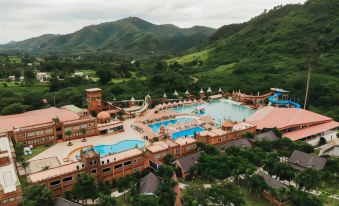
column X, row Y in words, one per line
column 308, row 131
column 35, row 117
column 282, row 118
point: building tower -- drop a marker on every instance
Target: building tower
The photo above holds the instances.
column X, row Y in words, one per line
column 94, row 99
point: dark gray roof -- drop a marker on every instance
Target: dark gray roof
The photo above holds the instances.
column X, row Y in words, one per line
column 188, row 161
column 271, row 182
column 268, row 136
column 242, row 142
column 63, row 202
column 149, row 184
column 301, row 161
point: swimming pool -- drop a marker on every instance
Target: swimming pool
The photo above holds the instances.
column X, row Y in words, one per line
column 186, row 133
column 104, row 150
column 156, row 126
column 219, row 110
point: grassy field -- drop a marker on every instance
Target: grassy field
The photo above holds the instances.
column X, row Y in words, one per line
column 37, row 150
column 122, row 202
column 202, row 55
column 134, row 76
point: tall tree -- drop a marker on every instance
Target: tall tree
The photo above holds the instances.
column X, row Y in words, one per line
column 37, row 195
column 107, row 200
column 307, row 179
column 225, row 194
column 85, row 188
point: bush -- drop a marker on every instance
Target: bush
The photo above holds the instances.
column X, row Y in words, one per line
column 15, row 108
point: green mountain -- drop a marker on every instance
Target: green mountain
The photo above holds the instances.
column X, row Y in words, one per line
column 274, row 49
column 130, row 35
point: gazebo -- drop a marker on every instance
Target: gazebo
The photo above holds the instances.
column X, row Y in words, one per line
column 188, row 94
column 164, row 98
column 202, row 94
column 132, row 102
column 176, row 94
column 209, row 90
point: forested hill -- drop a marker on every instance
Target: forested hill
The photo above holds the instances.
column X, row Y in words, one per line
column 274, row 50
column 130, row 35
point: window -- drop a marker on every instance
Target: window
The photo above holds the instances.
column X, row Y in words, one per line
column 135, row 170
column 127, row 163
column 135, row 160
column 108, row 169
column 67, row 179
column 94, row 171
column 117, row 166
column 54, row 183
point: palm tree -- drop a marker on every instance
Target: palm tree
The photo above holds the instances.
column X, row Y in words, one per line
column 24, row 164
column 68, row 134
column 83, row 132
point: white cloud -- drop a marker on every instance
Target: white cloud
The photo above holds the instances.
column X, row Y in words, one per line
column 21, row 19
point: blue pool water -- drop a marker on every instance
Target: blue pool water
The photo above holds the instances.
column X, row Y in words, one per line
column 156, row 126
column 104, row 150
column 186, row 133
column 219, row 110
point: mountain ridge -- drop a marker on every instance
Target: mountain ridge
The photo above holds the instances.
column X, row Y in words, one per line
column 130, row 34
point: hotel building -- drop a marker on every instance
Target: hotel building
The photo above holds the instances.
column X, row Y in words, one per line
column 108, row 168
column 54, row 125
column 295, row 124
column 10, row 189
column 228, row 133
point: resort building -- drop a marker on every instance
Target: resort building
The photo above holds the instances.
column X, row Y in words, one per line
column 10, row 189
column 54, row 125
column 177, row 148
column 221, row 137
column 108, row 168
column 184, row 164
column 301, row 161
column 47, row 126
column 149, row 184
column 295, row 124
column 94, row 99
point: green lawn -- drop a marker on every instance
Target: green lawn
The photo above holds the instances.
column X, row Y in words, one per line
column 202, row 55
column 122, row 202
column 37, row 150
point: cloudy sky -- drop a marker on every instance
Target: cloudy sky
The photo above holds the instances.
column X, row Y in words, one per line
column 21, row 19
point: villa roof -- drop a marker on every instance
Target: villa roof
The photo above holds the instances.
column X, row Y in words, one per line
column 312, row 130
column 242, row 142
column 185, row 163
column 149, row 184
column 219, row 132
column 282, row 118
column 242, row 126
column 161, row 145
column 122, row 155
column 268, row 136
column 54, row 172
column 8, row 176
column 301, row 161
column 35, row 117
column 270, row 181
column 183, row 141
column 227, row 124
column 207, row 133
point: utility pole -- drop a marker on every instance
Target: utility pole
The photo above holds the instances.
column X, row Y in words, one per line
column 308, row 82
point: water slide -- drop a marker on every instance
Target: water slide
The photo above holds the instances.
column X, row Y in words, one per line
column 143, row 108
column 273, row 99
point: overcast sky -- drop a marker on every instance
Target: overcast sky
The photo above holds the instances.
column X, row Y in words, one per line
column 21, row 19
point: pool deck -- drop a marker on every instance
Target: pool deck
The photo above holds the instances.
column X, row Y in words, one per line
column 61, row 150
